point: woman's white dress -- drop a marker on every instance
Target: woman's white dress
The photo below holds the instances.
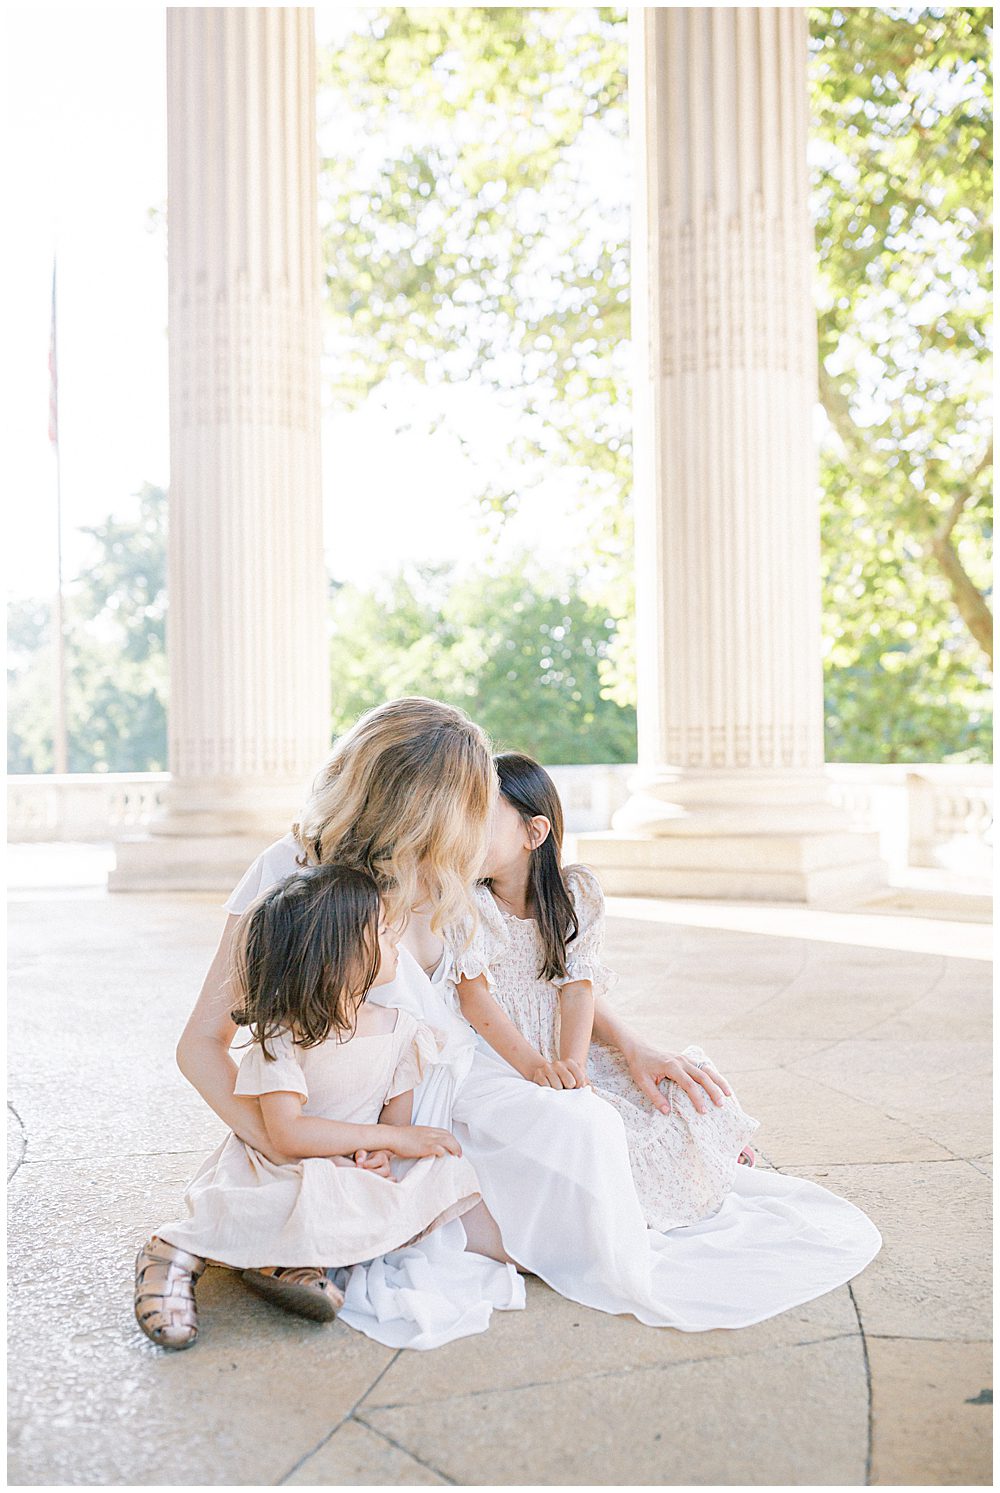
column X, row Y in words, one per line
column 554, row 1170
column 683, row 1163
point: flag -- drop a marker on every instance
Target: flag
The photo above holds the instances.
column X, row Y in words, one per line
column 53, row 375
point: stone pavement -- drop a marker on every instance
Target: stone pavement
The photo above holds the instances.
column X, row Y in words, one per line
column 860, row 1040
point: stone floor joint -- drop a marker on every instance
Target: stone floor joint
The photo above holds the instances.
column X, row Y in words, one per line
column 122, row 1156
column 619, row 1373
column 948, row 1160
column 885, row 1020
column 23, row 1134
column 343, row 1420
column 868, row 1384
column 398, row 1445
column 909, row 1337
column 774, row 995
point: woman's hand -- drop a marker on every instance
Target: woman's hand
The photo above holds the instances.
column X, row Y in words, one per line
column 379, row 1162
column 563, row 1073
column 649, row 1067
column 412, row 1141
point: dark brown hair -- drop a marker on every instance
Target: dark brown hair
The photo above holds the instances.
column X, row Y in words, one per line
column 306, row 954
column 527, row 786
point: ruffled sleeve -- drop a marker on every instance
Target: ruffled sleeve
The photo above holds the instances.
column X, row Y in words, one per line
column 421, row 1046
column 583, row 960
column 257, row 1075
column 273, row 864
column 468, row 956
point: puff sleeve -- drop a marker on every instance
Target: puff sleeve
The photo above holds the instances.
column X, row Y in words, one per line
column 273, row 864
column 421, row 1047
column 257, row 1075
column 468, row 957
column 583, row 961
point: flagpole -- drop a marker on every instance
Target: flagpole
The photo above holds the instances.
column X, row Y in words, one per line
column 60, row 754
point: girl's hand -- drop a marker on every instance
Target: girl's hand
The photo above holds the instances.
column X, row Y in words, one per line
column 412, row 1141
column 649, row 1068
column 563, row 1073
column 379, row 1162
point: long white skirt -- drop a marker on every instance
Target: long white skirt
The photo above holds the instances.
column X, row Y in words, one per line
column 554, row 1171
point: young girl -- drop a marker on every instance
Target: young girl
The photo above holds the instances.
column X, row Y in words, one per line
column 334, row 1077
column 526, row 980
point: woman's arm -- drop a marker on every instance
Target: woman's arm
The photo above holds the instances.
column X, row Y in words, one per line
column 576, row 1022
column 610, row 1029
column 203, row 1053
column 649, row 1067
column 302, row 1136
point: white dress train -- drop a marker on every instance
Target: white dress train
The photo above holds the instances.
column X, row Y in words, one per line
column 554, row 1171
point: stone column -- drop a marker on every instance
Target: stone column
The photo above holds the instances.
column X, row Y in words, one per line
column 731, row 797
column 246, row 634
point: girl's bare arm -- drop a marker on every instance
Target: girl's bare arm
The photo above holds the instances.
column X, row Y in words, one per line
column 301, row 1136
column 576, row 1022
column 485, row 1016
column 398, row 1110
column 204, row 1059
column 483, row 1013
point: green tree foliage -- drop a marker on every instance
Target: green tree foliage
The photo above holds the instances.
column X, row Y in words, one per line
column 30, row 686
column 115, row 655
column 522, row 659
column 469, row 237
column 475, row 206
column 902, row 107
column 523, row 662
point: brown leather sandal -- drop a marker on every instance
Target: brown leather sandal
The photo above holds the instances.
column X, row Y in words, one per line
column 165, row 1307
column 306, row 1291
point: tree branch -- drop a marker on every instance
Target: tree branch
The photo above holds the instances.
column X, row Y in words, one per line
column 838, row 408
column 971, row 603
column 954, row 513
column 968, row 598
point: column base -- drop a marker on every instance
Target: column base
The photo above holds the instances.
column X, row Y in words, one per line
column 185, row 863
column 206, row 834
column 784, row 867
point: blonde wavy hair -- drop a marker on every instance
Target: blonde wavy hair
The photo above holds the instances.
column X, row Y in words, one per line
column 406, row 795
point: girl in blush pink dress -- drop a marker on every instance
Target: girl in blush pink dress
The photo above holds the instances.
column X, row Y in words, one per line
column 335, row 1079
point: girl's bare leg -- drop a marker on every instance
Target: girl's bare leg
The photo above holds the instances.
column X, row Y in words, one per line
column 482, row 1235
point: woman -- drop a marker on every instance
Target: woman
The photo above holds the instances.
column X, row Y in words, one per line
column 408, row 795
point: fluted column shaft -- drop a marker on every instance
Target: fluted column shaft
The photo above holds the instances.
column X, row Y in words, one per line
column 249, row 685
column 727, row 524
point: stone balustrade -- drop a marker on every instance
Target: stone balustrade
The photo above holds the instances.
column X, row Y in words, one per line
column 84, row 807
column 926, row 814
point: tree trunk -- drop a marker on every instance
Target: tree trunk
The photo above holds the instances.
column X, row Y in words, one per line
column 969, row 600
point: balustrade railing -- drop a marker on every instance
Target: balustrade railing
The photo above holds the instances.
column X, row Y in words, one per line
column 928, row 814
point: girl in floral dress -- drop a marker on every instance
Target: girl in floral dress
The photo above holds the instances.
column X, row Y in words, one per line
column 526, row 980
